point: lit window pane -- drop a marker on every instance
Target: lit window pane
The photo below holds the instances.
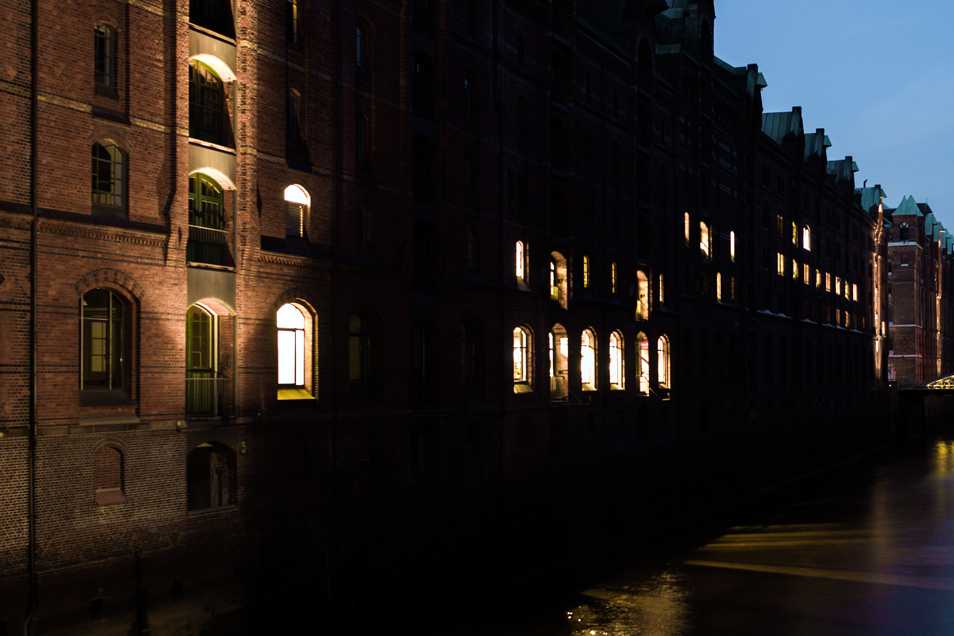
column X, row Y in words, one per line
column 286, row 357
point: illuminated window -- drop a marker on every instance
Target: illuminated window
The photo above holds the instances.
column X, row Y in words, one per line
column 642, row 296
column 781, row 224
column 559, row 348
column 103, row 341
column 732, row 246
column 807, row 238
column 686, row 224
column 837, row 286
column 662, row 362
column 781, row 263
column 719, row 286
column 104, row 68
column 662, row 290
column 807, row 274
column 297, row 205
column 828, row 282
column 294, row 351
column 558, row 279
column 794, row 233
column 854, row 292
column 612, row 278
column 643, row 345
column 818, row 279
column 588, row 360
column 520, row 261
column 705, row 245
column 293, row 25
column 586, row 272
column 616, row 361
column 521, row 360
column 108, row 175
column 794, row 269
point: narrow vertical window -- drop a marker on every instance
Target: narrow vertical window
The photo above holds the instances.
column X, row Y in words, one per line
column 705, row 246
column 361, row 141
column 588, row 360
column 521, row 360
column 105, row 60
column 297, row 205
column 291, row 346
column 719, row 286
column 807, row 238
column 643, row 345
column 108, row 175
column 642, row 296
column 102, row 318
column 613, row 278
column 616, row 360
column 293, row 26
column 520, row 261
column 732, row 246
column 586, row 272
column 686, row 227
column 207, row 108
column 361, row 50
column 662, row 362
column 662, row 290
column 359, row 351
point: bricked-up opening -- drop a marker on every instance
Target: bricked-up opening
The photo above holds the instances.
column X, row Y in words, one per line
column 109, row 476
column 559, row 350
column 210, row 475
column 109, row 177
column 104, row 65
column 295, row 352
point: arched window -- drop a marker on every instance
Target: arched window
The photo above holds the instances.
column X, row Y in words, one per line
column 201, row 362
column 104, row 69
column 109, row 476
column 686, row 227
column 617, row 376
column 521, row 259
column 642, row 296
column 297, row 211
column 642, row 343
column 361, row 50
column 108, row 175
column 208, row 238
column 295, row 347
column 663, row 362
column 103, row 345
column 732, row 246
column 208, row 116
column 522, row 369
column 588, row 360
column 558, row 279
column 559, row 345
column 210, row 476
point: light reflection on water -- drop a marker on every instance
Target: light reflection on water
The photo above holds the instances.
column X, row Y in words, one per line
column 656, row 607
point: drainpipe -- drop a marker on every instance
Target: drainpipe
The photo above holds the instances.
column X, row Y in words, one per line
column 33, row 591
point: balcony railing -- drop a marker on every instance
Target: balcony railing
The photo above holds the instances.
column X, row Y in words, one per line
column 204, row 394
column 208, row 245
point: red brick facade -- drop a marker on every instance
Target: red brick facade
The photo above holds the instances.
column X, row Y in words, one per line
column 176, row 484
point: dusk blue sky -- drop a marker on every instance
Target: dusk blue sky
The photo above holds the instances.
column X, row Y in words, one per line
column 877, row 75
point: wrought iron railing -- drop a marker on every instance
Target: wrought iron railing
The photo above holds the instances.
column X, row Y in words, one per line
column 203, row 394
column 208, row 245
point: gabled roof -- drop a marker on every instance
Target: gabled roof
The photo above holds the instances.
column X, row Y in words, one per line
column 908, row 207
column 870, row 198
column 778, row 126
column 817, row 143
column 842, row 169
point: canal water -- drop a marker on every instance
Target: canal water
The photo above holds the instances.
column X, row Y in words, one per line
column 867, row 553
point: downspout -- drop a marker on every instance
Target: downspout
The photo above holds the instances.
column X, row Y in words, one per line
column 335, row 273
column 33, row 588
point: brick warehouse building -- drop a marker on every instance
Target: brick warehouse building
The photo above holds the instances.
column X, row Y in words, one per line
column 369, row 300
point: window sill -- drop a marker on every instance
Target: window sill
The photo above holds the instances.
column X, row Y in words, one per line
column 295, row 395
column 110, row 496
column 522, row 387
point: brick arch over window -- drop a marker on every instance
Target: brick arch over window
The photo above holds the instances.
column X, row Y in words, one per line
column 106, row 277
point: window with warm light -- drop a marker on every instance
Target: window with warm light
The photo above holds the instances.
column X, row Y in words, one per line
column 808, row 274
column 616, row 361
column 662, row 362
column 854, row 292
column 732, row 246
column 781, row 263
column 559, row 349
column 837, row 286
column 612, row 278
column 662, row 290
column 588, row 360
column 705, row 244
column 586, row 272
column 642, row 343
column 818, row 279
column 686, row 224
column 642, row 296
column 807, row 238
column 294, row 349
column 558, row 279
column 719, row 286
column 297, row 206
column 521, row 360
column 520, row 260
column 794, row 269
column 828, row 282
column 794, row 233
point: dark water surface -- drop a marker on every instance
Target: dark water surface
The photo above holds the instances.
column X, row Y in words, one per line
column 870, row 553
